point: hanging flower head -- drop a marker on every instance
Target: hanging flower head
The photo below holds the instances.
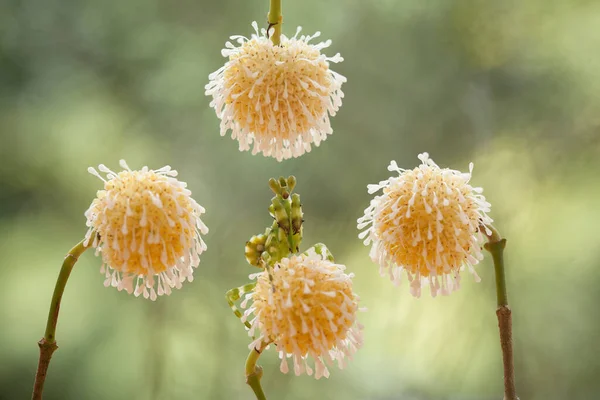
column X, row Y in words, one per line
column 308, row 309
column 147, row 228
column 427, row 223
column 277, row 98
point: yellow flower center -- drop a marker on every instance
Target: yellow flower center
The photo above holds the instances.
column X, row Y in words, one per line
column 428, row 223
column 428, row 220
column 277, row 91
column 146, row 222
column 311, row 309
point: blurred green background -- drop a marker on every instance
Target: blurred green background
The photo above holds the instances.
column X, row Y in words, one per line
column 513, row 86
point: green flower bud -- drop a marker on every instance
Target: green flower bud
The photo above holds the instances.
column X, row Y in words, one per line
column 285, row 192
column 291, row 181
column 296, row 213
column 275, row 186
column 282, row 182
column 281, row 217
column 276, row 246
column 254, row 248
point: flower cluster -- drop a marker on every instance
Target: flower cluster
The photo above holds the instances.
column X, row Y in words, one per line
column 308, row 309
column 277, row 98
column 427, row 223
column 147, row 228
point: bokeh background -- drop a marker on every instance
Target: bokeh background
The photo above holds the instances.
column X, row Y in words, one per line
column 512, row 86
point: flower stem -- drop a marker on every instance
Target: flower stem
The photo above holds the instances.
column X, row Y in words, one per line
column 275, row 21
column 48, row 344
column 495, row 246
column 254, row 372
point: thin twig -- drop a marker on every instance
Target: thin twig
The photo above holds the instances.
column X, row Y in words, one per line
column 254, row 372
column 496, row 246
column 275, row 21
column 48, row 344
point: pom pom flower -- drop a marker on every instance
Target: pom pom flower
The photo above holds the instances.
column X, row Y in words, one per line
column 309, row 309
column 147, row 228
column 277, row 98
column 426, row 223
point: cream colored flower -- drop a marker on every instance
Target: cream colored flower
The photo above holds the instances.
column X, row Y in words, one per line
column 426, row 223
column 276, row 98
column 308, row 310
column 148, row 230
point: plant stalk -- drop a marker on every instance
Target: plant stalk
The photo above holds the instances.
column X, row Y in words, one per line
column 254, row 372
column 275, row 21
column 48, row 344
column 495, row 246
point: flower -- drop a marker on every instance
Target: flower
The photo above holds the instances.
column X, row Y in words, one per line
column 308, row 310
column 147, row 228
column 427, row 223
column 277, row 97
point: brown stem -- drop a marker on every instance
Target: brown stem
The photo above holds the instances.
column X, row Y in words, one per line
column 505, row 326
column 48, row 344
column 495, row 246
column 46, row 351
